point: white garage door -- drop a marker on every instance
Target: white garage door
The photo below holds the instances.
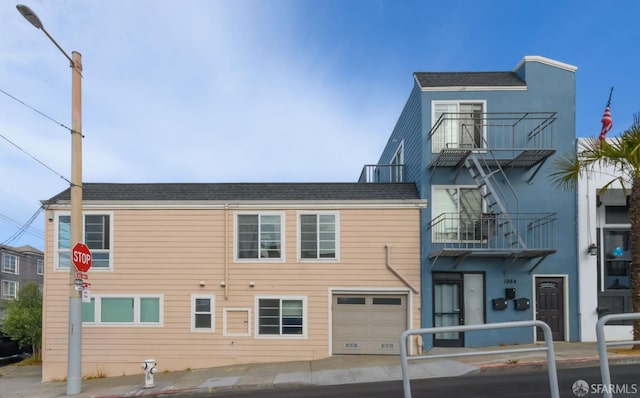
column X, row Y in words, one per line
column 368, row 323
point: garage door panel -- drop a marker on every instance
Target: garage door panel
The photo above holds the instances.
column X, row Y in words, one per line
column 394, row 317
column 368, row 324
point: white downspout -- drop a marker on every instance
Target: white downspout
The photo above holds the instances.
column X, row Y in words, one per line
column 226, row 251
column 396, row 273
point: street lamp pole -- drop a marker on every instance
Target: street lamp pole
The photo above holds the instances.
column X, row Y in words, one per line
column 74, row 352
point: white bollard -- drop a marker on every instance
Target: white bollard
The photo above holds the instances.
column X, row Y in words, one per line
column 149, row 368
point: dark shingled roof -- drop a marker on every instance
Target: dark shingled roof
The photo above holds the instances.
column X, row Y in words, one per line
column 468, row 79
column 22, row 249
column 242, row 191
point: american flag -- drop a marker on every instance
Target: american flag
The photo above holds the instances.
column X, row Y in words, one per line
column 606, row 119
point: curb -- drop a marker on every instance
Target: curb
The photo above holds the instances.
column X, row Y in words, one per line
column 593, row 360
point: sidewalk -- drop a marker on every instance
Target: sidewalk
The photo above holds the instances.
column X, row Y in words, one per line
column 25, row 381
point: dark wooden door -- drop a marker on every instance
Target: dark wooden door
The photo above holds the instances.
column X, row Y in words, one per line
column 550, row 306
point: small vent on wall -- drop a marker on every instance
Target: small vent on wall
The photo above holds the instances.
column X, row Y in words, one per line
column 387, row 346
column 351, row 345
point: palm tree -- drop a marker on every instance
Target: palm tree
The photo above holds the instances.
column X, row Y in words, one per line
column 622, row 154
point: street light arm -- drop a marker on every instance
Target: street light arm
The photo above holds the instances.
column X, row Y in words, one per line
column 59, row 48
column 33, row 19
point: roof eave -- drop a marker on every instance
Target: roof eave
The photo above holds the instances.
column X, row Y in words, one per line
column 546, row 61
column 475, row 88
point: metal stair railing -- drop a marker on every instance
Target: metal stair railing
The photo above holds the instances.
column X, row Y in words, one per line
column 494, row 196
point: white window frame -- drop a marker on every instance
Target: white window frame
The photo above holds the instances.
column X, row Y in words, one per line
column 58, row 251
column 397, row 164
column 337, row 237
column 40, row 266
column 435, row 141
column 281, row 336
column 15, row 266
column 97, row 310
column 225, row 311
column 614, row 197
column 212, row 313
column 434, row 208
column 280, row 259
column 5, row 284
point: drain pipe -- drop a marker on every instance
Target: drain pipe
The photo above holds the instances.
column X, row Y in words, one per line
column 226, row 251
column 396, row 273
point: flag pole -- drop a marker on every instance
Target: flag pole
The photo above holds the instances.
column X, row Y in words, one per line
column 610, row 94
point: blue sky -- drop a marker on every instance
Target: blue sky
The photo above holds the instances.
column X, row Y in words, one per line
column 271, row 90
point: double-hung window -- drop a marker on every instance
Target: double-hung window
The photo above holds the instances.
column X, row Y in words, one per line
column 281, row 316
column 318, row 236
column 259, row 236
column 458, row 125
column 40, row 266
column 97, row 236
column 456, row 212
column 202, row 313
column 9, row 289
column 10, row 263
column 123, row 310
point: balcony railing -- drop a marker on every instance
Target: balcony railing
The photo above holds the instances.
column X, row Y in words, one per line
column 511, row 130
column 382, row 173
column 499, row 235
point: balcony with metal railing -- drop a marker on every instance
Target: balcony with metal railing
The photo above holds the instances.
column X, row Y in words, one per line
column 516, row 139
column 382, row 173
column 516, row 235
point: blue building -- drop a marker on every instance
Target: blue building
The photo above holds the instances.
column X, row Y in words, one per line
column 499, row 240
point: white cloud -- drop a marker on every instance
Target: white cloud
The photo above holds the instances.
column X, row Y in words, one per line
column 197, row 91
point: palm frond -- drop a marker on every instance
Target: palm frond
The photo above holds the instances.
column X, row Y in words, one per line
column 567, row 170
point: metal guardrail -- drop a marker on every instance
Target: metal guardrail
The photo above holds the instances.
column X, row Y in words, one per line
column 482, row 231
column 548, row 339
column 501, row 131
column 382, row 173
column 602, row 345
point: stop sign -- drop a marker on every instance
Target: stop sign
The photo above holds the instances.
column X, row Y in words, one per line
column 81, row 257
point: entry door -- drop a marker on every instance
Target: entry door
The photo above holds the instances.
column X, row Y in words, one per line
column 447, row 311
column 550, row 306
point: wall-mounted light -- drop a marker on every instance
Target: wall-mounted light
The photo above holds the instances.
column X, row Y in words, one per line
column 223, row 283
column 252, row 284
column 593, row 249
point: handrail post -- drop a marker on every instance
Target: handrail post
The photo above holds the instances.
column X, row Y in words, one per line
column 605, row 374
column 548, row 338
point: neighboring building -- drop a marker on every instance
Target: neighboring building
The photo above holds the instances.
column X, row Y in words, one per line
column 201, row 275
column 498, row 239
column 604, row 254
column 18, row 266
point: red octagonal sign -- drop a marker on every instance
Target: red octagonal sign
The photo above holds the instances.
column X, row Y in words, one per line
column 81, row 257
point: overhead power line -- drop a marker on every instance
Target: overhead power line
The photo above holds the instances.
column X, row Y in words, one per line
column 34, row 158
column 35, row 110
column 24, row 228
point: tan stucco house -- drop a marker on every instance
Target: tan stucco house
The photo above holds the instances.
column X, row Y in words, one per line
column 201, row 275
